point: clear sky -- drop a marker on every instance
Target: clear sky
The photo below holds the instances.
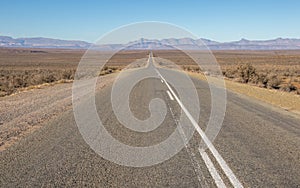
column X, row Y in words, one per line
column 223, row 20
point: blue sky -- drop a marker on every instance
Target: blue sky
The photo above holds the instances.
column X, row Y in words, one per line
column 88, row 20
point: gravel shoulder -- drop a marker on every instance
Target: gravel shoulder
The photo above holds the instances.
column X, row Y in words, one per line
column 25, row 112
column 271, row 98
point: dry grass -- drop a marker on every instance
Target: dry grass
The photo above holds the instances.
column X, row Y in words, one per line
column 29, row 68
column 21, row 68
column 285, row 100
column 13, row 80
column 278, row 70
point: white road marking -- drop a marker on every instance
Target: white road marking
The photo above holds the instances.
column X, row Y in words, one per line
column 212, row 170
column 162, row 81
column 170, row 95
column 192, row 155
column 232, row 178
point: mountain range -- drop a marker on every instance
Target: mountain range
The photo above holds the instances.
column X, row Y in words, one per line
column 171, row 43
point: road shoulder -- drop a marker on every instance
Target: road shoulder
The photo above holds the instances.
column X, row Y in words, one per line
column 283, row 102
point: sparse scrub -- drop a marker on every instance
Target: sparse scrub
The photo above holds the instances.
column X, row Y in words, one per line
column 267, row 69
column 194, row 68
column 21, row 68
column 282, row 79
column 30, row 67
column 108, row 70
column 248, row 74
column 12, row 80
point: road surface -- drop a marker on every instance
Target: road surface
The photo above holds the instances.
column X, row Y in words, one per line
column 259, row 145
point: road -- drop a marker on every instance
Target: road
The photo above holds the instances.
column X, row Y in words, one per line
column 259, row 145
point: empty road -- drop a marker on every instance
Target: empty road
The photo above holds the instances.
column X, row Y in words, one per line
column 259, row 145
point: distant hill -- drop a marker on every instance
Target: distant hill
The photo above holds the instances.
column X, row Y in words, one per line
column 41, row 43
column 275, row 44
column 171, row 43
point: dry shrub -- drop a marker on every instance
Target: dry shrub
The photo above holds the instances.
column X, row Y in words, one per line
column 284, row 79
column 246, row 73
column 289, row 87
column 191, row 68
column 108, row 70
column 229, row 73
column 12, row 80
column 273, row 81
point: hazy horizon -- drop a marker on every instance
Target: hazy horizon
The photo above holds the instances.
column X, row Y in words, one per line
column 243, row 38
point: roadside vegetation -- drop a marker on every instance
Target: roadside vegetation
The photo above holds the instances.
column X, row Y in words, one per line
column 12, row 81
column 22, row 69
column 28, row 68
column 284, row 80
column 277, row 70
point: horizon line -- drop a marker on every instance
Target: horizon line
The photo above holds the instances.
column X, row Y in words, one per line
column 79, row 40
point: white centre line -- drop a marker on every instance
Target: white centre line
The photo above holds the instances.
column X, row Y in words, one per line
column 192, row 155
column 170, row 95
column 212, row 170
column 228, row 172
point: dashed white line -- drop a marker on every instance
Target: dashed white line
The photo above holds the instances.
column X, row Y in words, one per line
column 170, row 95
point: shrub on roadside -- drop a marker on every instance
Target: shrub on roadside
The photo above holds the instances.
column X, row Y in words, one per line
column 273, row 81
column 246, row 73
column 12, row 80
column 289, row 87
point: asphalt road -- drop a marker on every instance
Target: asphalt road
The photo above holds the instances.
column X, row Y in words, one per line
column 260, row 145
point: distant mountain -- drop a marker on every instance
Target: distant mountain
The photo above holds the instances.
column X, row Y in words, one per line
column 41, row 43
column 171, row 43
column 191, row 44
column 275, row 44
